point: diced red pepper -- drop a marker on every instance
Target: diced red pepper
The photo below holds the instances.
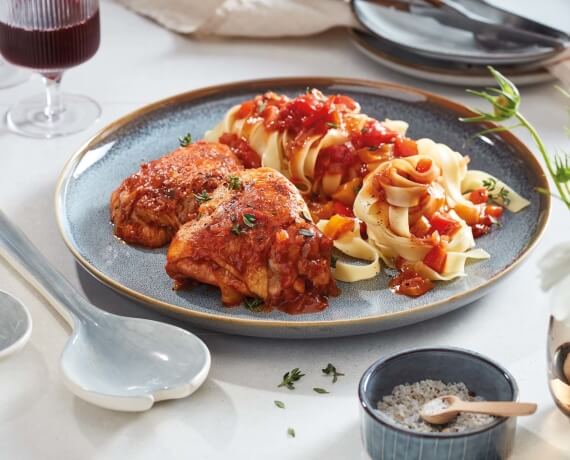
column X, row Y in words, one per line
column 494, row 211
column 479, row 230
column 436, row 258
column 443, row 224
column 406, row 147
column 479, row 196
column 246, row 109
column 424, row 165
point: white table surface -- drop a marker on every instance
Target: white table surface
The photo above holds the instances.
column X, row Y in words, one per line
column 232, row 415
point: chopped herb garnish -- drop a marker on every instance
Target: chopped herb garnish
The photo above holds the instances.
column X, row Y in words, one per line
column 234, row 182
column 202, row 197
column 330, row 124
column 279, row 404
column 253, row 304
column 289, row 378
column 321, row 391
column 308, row 90
column 334, row 260
column 331, row 370
column 372, row 149
column 490, row 183
column 504, row 196
column 306, row 233
column 291, row 432
column 186, row 140
column 237, row 230
column 249, row 220
column 261, row 107
column 364, row 130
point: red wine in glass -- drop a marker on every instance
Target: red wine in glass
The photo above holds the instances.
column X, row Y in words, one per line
column 50, row 36
column 52, row 49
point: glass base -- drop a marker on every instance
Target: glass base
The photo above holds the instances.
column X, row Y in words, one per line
column 28, row 118
column 11, row 76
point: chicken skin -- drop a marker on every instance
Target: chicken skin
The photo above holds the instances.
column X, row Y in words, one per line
column 151, row 205
column 255, row 240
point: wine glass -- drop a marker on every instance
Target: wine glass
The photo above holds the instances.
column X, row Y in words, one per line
column 11, row 75
column 50, row 36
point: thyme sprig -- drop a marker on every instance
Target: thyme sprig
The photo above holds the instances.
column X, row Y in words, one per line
column 289, row 379
column 505, row 101
column 331, row 370
column 185, row 140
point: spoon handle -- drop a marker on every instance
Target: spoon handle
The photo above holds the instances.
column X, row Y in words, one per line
column 19, row 251
column 499, row 408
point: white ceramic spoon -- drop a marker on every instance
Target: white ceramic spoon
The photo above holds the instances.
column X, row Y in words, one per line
column 112, row 361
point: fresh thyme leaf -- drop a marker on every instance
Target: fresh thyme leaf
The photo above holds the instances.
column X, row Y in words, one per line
column 186, row 140
column 364, row 130
column 330, row 124
column 202, row 197
column 291, row 432
column 261, row 107
column 279, row 404
column 334, row 260
column 289, row 379
column 306, row 233
column 490, row 183
column 331, row 370
column 504, row 196
column 237, row 230
column 321, row 391
column 253, row 304
column 308, row 90
column 234, row 182
column 250, row 220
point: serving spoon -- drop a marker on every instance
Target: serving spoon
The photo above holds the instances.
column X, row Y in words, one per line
column 444, row 409
column 111, row 361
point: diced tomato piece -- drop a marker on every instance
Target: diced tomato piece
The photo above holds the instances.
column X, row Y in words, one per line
column 373, row 134
column 406, row 147
column 246, row 109
column 436, row 258
column 421, row 228
column 424, row 165
column 479, row 230
column 342, row 209
column 338, row 226
column 479, row 195
column 348, row 102
column 494, row 211
column 410, row 283
column 443, row 224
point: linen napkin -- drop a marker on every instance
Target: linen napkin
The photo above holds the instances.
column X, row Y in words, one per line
column 269, row 18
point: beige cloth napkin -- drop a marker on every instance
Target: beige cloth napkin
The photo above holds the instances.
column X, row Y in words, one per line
column 268, row 18
column 247, row 18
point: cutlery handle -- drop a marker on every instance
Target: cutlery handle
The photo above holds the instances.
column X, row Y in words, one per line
column 499, row 408
column 19, row 251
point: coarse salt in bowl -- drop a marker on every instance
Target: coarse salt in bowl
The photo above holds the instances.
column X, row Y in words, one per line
column 386, row 440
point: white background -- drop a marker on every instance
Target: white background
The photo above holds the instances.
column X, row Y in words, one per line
column 232, row 415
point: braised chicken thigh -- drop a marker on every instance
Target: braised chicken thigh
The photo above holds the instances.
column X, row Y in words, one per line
column 254, row 239
column 151, row 205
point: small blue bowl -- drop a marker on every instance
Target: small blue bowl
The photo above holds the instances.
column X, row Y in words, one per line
column 386, row 441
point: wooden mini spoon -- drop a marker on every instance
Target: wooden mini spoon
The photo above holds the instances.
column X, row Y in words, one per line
column 451, row 406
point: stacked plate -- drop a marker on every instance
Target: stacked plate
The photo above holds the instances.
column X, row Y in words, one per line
column 421, row 46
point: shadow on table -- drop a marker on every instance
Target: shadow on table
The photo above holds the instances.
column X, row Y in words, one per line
column 236, row 358
column 100, row 426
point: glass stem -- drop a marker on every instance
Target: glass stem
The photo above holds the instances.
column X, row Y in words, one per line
column 54, row 101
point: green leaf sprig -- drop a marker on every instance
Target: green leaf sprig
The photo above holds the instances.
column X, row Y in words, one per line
column 202, row 197
column 186, row 140
column 505, row 101
column 331, row 370
column 289, row 379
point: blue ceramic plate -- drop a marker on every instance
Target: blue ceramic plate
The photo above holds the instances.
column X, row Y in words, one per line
column 117, row 151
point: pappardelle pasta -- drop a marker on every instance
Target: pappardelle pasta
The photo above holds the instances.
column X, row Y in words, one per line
column 379, row 195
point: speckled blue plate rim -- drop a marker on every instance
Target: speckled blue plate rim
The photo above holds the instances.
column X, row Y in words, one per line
column 260, row 326
column 439, row 435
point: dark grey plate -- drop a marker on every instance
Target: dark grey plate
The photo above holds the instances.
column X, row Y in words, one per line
column 117, row 151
